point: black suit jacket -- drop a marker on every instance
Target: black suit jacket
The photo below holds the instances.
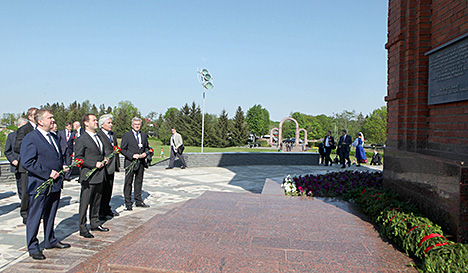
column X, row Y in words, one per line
column 66, row 146
column 130, row 147
column 20, row 134
column 345, row 143
column 10, row 153
column 114, row 163
column 87, row 150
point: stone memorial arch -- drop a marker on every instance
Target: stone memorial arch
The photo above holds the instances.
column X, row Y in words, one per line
column 270, row 141
column 296, row 142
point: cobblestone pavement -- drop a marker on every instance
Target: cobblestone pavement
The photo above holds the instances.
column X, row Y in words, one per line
column 160, row 188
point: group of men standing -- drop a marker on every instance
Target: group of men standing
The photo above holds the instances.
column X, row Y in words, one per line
column 343, row 148
column 37, row 153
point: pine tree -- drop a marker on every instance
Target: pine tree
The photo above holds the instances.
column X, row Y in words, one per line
column 239, row 134
column 222, row 130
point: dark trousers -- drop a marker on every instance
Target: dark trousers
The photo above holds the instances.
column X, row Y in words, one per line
column 45, row 207
column 173, row 156
column 67, row 161
column 107, row 187
column 18, row 185
column 25, row 196
column 90, row 196
column 328, row 159
column 137, row 176
column 344, row 155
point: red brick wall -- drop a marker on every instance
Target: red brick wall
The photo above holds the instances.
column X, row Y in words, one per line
column 414, row 28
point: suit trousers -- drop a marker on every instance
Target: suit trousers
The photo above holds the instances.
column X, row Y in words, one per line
column 107, row 186
column 344, row 154
column 18, row 185
column 25, row 196
column 45, row 207
column 173, row 156
column 67, row 161
column 136, row 175
column 328, row 159
column 90, row 196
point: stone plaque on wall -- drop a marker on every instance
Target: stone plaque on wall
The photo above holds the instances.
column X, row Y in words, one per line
column 448, row 72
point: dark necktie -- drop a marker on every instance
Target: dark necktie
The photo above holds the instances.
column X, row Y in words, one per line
column 137, row 138
column 52, row 142
column 110, row 137
column 97, row 142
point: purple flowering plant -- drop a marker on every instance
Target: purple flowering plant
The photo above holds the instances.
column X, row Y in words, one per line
column 332, row 184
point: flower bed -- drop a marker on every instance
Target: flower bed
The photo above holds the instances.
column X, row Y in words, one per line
column 399, row 221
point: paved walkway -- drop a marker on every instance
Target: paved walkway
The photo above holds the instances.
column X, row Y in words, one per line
column 164, row 190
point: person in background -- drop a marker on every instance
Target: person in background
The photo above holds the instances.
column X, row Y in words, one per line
column 66, row 139
column 13, row 157
column 360, row 154
column 321, row 151
column 344, row 145
column 77, row 128
column 21, row 133
column 376, row 158
column 329, row 145
column 176, row 142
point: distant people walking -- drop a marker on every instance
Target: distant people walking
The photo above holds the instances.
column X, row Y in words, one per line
column 329, row 145
column 162, row 153
column 321, row 150
column 135, row 148
column 344, row 145
column 360, row 153
column 176, row 149
column 376, row 158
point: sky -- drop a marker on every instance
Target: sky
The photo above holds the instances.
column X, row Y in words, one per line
column 314, row 56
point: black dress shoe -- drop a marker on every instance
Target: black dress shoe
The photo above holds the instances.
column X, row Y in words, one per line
column 100, row 228
column 115, row 213
column 38, row 255
column 142, row 205
column 344, row 166
column 87, row 235
column 129, row 207
column 168, row 168
column 184, row 167
column 60, row 245
column 349, row 164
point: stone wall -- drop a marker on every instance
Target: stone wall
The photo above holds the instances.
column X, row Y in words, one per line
column 216, row 160
column 427, row 144
column 246, row 159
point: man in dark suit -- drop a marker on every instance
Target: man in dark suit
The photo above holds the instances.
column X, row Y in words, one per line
column 89, row 147
column 13, row 157
column 109, row 141
column 66, row 138
column 329, row 145
column 20, row 134
column 41, row 158
column 135, row 147
column 344, row 144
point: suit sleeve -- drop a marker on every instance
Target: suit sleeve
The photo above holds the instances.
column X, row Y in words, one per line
column 29, row 156
column 9, row 153
column 20, row 134
column 125, row 146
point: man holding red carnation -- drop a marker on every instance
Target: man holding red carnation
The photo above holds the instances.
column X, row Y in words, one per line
column 41, row 158
column 110, row 141
column 135, row 148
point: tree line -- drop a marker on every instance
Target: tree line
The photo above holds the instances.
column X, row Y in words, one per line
column 220, row 130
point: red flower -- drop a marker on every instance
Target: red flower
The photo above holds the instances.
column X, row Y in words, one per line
column 79, row 162
column 151, row 150
column 117, row 149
